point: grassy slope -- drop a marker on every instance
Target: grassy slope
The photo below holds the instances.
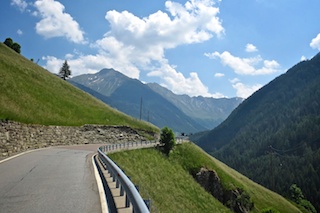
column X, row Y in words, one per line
column 172, row 188
column 169, row 186
column 30, row 94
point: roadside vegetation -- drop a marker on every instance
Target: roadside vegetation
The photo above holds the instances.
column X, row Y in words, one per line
column 31, row 94
column 168, row 181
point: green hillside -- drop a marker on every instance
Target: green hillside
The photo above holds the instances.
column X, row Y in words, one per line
column 273, row 137
column 171, row 187
column 31, row 94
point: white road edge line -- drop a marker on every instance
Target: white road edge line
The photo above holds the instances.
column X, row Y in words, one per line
column 102, row 194
column 22, row 153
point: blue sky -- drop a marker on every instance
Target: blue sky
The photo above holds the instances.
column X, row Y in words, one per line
column 212, row 48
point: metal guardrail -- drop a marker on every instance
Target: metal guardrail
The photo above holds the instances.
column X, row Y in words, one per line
column 122, row 181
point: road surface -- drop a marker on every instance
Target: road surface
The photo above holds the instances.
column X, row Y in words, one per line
column 50, row 180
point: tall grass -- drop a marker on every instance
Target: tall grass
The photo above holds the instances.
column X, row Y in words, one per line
column 172, row 188
column 31, row 94
column 169, row 186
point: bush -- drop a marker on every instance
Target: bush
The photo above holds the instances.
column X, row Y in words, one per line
column 298, row 197
column 308, row 206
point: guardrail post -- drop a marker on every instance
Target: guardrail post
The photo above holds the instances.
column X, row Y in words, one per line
column 121, row 191
column 117, row 183
column 113, row 177
column 127, row 201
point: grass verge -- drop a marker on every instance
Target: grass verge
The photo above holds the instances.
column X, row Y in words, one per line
column 167, row 181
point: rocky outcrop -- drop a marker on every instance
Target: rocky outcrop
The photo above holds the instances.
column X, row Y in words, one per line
column 236, row 199
column 17, row 137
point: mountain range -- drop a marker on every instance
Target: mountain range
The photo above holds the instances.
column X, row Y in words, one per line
column 154, row 103
column 273, row 137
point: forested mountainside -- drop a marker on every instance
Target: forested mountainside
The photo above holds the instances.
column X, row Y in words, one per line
column 209, row 112
column 273, row 137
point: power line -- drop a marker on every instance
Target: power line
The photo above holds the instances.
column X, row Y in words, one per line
column 287, row 150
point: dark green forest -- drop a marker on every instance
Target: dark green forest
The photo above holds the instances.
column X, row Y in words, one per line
column 273, row 137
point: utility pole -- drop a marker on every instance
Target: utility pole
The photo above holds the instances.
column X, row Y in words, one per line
column 140, row 108
column 271, row 169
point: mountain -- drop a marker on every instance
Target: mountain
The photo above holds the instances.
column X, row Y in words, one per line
column 31, row 94
column 209, row 112
column 126, row 95
column 273, row 137
column 159, row 105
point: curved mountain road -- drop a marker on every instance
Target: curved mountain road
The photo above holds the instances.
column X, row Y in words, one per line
column 59, row 179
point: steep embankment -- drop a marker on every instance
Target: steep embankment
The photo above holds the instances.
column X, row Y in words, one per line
column 273, row 137
column 170, row 184
column 31, row 94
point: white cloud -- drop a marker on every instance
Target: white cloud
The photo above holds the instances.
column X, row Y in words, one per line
column 141, row 42
column 246, row 66
column 315, row 43
column 56, row 23
column 19, row 32
column 303, row 58
column 179, row 84
column 133, row 44
column 218, row 75
column 244, row 91
column 83, row 64
column 251, row 48
column 21, row 4
column 194, row 22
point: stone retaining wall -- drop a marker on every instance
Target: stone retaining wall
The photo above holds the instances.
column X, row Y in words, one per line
column 17, row 137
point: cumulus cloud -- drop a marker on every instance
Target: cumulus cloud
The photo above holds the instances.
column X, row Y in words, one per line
column 56, row 23
column 246, row 66
column 315, row 42
column 21, row 4
column 251, row 48
column 142, row 41
column 244, row 91
column 135, row 44
column 180, row 84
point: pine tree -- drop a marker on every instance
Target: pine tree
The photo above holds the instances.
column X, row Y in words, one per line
column 167, row 140
column 65, row 71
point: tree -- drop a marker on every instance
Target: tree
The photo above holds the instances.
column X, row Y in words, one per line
column 296, row 193
column 16, row 47
column 167, row 140
column 65, row 72
column 13, row 45
column 8, row 42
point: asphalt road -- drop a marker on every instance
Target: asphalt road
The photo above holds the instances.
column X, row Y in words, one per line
column 50, row 180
